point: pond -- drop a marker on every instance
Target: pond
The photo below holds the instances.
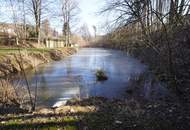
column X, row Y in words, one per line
column 74, row 76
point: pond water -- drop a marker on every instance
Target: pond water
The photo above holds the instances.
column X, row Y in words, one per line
column 74, row 76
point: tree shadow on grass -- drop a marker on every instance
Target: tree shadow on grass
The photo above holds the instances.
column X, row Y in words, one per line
column 108, row 115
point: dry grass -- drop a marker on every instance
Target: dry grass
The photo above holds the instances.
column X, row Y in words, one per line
column 12, row 94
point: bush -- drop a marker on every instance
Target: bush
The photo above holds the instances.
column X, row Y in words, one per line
column 101, row 76
column 12, row 94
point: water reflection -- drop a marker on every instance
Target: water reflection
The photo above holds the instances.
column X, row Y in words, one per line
column 75, row 76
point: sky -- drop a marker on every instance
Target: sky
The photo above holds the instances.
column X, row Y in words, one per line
column 89, row 13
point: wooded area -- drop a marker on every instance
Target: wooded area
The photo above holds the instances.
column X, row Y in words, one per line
column 156, row 31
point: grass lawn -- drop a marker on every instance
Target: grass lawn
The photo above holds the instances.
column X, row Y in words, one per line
column 15, row 50
column 5, row 51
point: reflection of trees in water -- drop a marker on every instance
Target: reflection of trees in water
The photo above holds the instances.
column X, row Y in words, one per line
column 69, row 68
column 41, row 70
column 86, row 87
column 43, row 90
column 32, row 75
column 75, row 80
column 79, row 83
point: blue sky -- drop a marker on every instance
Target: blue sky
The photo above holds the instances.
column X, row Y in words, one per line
column 89, row 13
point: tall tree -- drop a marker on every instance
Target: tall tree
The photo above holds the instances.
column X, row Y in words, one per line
column 68, row 12
column 37, row 12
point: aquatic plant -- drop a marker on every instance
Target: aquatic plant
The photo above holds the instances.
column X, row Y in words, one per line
column 101, row 75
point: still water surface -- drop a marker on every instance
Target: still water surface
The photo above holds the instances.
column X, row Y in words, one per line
column 74, row 77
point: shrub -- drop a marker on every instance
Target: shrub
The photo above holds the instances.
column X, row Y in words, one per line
column 101, row 76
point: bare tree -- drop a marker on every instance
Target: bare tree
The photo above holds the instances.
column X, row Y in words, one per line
column 37, row 12
column 24, row 18
column 85, row 33
column 95, row 30
column 68, row 13
column 40, row 10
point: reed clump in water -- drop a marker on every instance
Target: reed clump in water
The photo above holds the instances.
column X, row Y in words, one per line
column 101, row 75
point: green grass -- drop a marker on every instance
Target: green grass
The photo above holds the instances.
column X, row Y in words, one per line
column 69, row 123
column 7, row 51
column 14, row 50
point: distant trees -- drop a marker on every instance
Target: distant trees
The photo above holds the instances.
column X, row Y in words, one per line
column 85, row 32
column 95, row 30
column 46, row 27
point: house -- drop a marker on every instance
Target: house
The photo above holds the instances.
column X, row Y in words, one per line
column 7, row 29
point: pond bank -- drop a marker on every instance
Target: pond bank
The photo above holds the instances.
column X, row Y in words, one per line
column 98, row 113
column 13, row 60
